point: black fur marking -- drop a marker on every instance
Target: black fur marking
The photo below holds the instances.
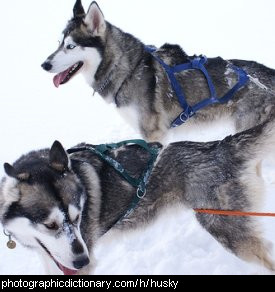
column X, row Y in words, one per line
column 17, row 211
column 10, row 170
column 91, row 42
column 58, row 157
column 78, row 9
column 77, row 247
column 151, row 89
column 74, row 24
column 179, row 56
column 41, row 174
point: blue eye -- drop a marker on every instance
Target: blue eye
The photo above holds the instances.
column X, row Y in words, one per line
column 70, row 47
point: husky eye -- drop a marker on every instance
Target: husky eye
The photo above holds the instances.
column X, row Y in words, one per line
column 70, row 47
column 76, row 221
column 52, row 226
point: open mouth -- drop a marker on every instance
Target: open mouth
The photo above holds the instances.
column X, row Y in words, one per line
column 66, row 75
column 66, row 271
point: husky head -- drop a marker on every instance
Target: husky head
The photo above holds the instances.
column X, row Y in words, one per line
column 81, row 47
column 41, row 203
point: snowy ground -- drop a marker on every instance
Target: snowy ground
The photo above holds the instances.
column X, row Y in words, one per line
column 33, row 114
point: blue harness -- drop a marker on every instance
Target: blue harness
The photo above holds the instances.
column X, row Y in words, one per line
column 197, row 64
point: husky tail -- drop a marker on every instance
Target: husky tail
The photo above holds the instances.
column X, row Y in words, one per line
column 234, row 181
column 251, row 148
column 261, row 139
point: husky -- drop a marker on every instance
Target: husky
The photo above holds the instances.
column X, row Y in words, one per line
column 60, row 203
column 118, row 67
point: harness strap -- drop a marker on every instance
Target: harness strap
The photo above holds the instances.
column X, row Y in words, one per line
column 243, row 79
column 140, row 183
column 197, row 64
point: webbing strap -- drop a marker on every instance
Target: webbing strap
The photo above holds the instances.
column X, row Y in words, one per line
column 197, row 64
column 140, row 183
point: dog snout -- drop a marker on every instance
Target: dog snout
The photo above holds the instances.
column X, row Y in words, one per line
column 81, row 263
column 47, row 66
column 77, row 247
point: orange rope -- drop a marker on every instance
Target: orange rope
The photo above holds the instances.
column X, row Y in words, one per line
column 234, row 213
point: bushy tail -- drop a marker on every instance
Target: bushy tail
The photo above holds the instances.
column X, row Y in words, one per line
column 265, row 140
column 257, row 146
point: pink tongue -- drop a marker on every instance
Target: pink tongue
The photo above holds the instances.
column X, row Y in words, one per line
column 66, row 271
column 59, row 78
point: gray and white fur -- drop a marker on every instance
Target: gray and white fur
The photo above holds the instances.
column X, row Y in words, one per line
column 116, row 65
column 61, row 205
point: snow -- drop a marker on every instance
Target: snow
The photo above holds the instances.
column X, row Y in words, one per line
column 33, row 114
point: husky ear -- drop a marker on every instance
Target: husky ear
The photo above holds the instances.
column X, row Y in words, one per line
column 78, row 9
column 95, row 20
column 59, row 159
column 11, row 172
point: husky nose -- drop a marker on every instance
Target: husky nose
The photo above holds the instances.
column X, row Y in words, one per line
column 83, row 262
column 47, row 66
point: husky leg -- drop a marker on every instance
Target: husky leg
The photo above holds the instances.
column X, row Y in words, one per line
column 240, row 236
column 257, row 250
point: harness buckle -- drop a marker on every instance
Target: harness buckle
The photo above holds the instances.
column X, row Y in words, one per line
column 199, row 61
column 204, row 59
column 141, row 194
column 186, row 115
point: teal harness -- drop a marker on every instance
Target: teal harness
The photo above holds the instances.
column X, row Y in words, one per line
column 141, row 183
